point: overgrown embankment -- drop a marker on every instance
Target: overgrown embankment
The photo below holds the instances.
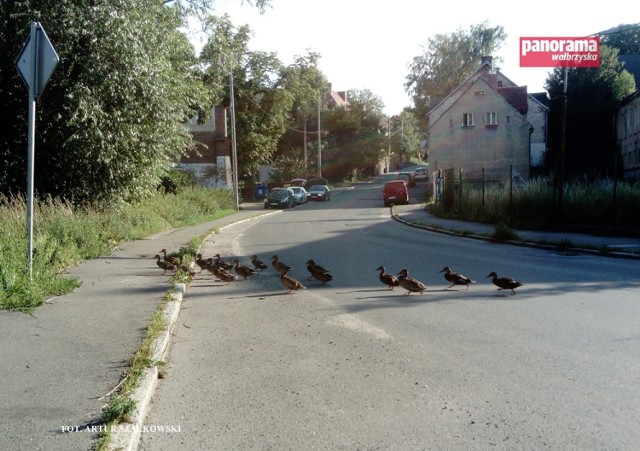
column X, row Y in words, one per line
column 64, row 235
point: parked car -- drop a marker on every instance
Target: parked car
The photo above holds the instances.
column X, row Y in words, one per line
column 298, row 182
column 421, row 174
column 395, row 192
column 300, row 195
column 319, row 192
column 408, row 178
column 280, row 198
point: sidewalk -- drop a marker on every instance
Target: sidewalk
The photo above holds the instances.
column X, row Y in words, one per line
column 58, row 365
column 415, row 215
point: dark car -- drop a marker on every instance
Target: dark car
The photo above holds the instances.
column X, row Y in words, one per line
column 280, row 198
column 319, row 192
column 395, row 192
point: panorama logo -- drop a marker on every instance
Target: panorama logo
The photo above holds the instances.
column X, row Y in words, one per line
column 560, row 52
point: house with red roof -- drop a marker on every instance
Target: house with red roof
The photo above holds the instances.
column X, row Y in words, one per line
column 488, row 126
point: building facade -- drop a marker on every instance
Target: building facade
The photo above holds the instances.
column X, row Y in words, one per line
column 487, row 126
column 628, row 131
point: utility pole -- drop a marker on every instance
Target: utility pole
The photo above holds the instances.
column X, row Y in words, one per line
column 234, row 153
column 319, row 141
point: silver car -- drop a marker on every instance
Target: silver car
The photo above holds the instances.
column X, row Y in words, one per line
column 300, row 195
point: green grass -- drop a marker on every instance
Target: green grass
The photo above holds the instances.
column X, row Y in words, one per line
column 533, row 205
column 65, row 235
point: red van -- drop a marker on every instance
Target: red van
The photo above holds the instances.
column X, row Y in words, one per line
column 395, row 192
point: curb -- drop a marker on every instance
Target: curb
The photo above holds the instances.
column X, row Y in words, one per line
column 571, row 250
column 128, row 437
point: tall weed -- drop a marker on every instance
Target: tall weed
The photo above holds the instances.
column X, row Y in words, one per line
column 64, row 235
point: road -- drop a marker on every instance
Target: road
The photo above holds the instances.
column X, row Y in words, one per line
column 352, row 365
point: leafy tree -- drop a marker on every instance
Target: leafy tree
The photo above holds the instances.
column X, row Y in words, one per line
column 624, row 37
column 406, row 136
column 447, row 61
column 592, row 98
column 355, row 142
column 111, row 118
column 308, row 85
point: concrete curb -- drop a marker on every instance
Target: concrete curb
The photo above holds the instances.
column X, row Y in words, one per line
column 127, row 436
column 577, row 250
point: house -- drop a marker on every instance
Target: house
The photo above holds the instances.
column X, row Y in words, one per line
column 487, row 126
column 209, row 164
column 628, row 132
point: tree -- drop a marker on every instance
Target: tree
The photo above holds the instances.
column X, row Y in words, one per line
column 592, row 98
column 406, row 136
column 624, row 37
column 308, row 85
column 111, row 118
column 355, row 143
column 447, row 61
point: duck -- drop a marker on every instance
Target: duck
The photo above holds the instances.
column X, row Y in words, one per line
column 387, row 279
column 186, row 268
column 219, row 262
column 456, row 278
column 409, row 283
column 202, row 262
column 289, row 282
column 243, row 270
column 258, row 264
column 318, row 272
column 219, row 272
column 163, row 264
column 174, row 260
column 278, row 265
column 505, row 283
column 313, row 267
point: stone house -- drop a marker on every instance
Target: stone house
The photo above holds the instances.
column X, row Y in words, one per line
column 489, row 124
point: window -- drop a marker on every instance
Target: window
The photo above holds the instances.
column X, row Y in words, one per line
column 450, row 122
column 507, row 120
column 467, row 119
column 492, row 118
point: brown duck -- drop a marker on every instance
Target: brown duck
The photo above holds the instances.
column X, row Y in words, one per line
column 278, row 265
column 455, row 278
column 163, row 264
column 258, row 264
column 318, row 272
column 243, row 270
column 289, row 282
column 174, row 260
column 219, row 262
column 202, row 262
column 387, row 279
column 409, row 283
column 504, row 283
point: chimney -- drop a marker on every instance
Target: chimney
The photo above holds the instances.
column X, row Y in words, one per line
column 487, row 60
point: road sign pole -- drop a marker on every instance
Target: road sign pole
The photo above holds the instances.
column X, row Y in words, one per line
column 31, row 142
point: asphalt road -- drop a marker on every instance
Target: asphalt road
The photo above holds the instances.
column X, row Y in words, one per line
column 352, row 365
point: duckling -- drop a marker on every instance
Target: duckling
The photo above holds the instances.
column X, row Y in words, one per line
column 163, row 264
column 387, row 279
column 504, row 283
column 456, row 278
column 174, row 260
column 289, row 282
column 278, row 265
column 257, row 263
column 409, row 283
column 243, row 270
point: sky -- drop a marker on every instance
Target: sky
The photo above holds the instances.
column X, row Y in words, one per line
column 368, row 44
